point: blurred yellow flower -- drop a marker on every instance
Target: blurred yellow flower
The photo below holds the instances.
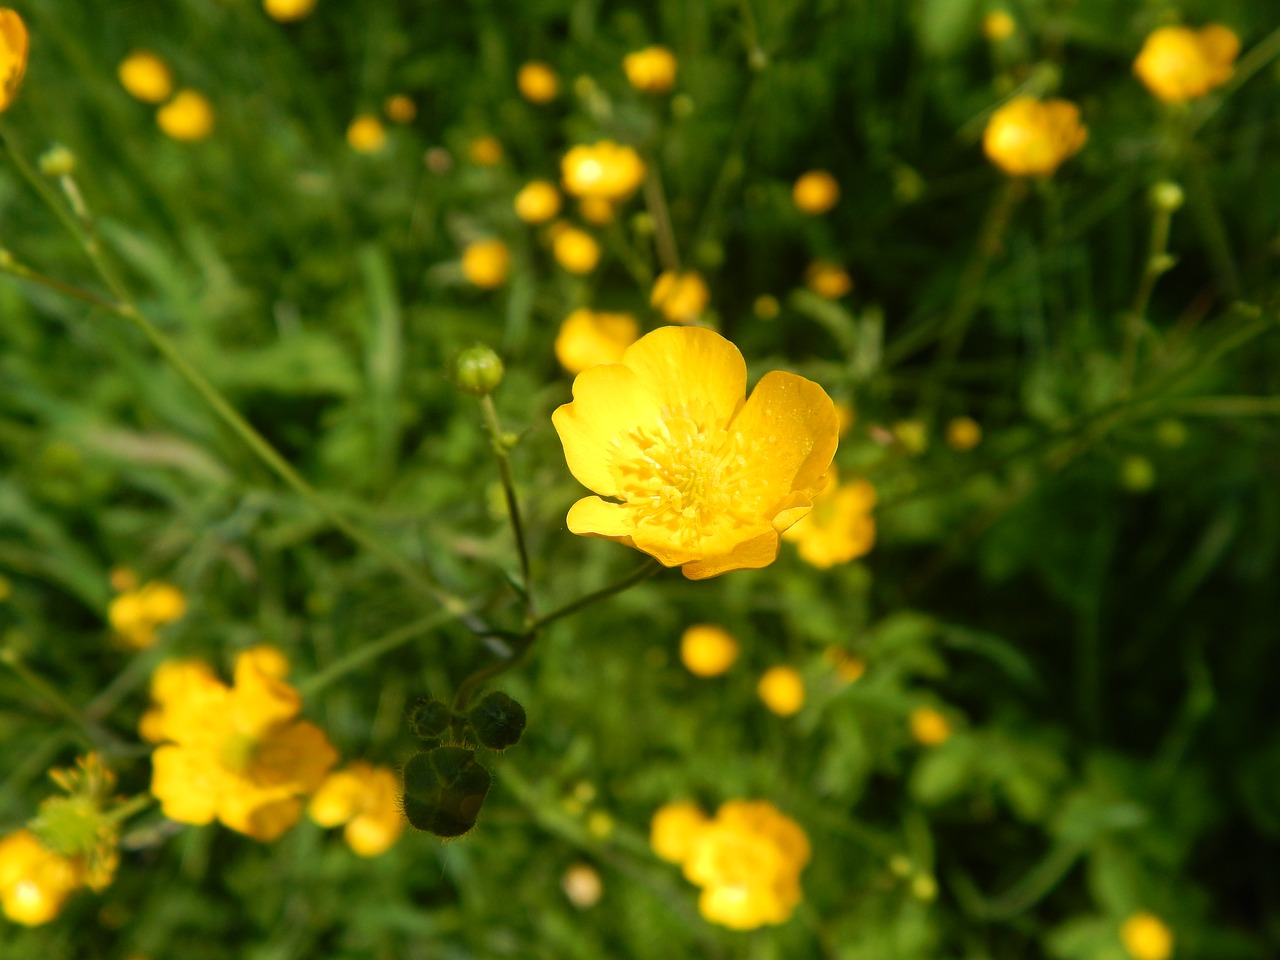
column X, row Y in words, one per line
column 707, row 650
column 581, row 883
column 781, row 689
column 998, row 25
column 674, row 828
column 588, row 338
column 537, row 82
column 485, row 151
column 929, row 727
column 13, row 55
column 366, row 134
column 1179, row 64
column 815, row 192
column 963, row 433
column 596, row 210
column 848, row 417
column 828, row 279
column 287, row 10
column 400, row 108
column 604, row 169
column 367, row 800
column 680, row 297
column 235, row 754
column 651, row 70
column 575, row 250
column 1146, row 937
column 1028, row 137
column 187, row 117
column 847, row 667
column 913, row 435
column 34, row 880
column 694, row 475
column 485, row 263
column 840, row 527
column 537, row 202
column 146, row 76
column 135, row 615
column 766, row 307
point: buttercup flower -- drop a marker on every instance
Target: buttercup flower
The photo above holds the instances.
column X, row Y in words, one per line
column 605, row 169
column 707, row 650
column 681, row 297
column 485, row 151
column 136, row 614
column 963, row 433
column 848, row 668
column 781, row 689
column 828, row 279
column 685, row 469
column 400, row 108
column 34, row 881
column 537, row 202
column 146, row 77
column 815, row 192
column 187, row 117
column 288, row 10
column 364, row 798
column 1146, row 937
column 587, row 339
column 485, row 263
column 235, row 754
column 1031, row 138
column 674, row 828
column 1179, row 64
column 651, row 70
column 537, row 82
column 998, row 25
column 575, row 250
column 13, row 56
column 366, row 134
column 840, row 527
column 929, row 727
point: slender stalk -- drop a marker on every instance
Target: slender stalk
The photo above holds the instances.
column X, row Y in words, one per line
column 367, row 653
column 1156, row 265
column 124, row 811
column 664, row 236
column 647, row 570
column 57, row 286
column 493, row 426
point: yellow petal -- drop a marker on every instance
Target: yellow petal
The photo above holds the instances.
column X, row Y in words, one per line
column 188, row 784
column 690, row 368
column 593, row 517
column 297, row 756
column 263, row 821
column 609, row 402
column 750, row 555
column 262, row 700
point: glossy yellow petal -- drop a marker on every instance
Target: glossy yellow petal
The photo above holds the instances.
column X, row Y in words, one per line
column 264, row 820
column 13, row 55
column 297, row 756
column 260, row 699
column 187, row 783
column 609, row 402
column 690, row 370
column 752, row 554
column 593, row 517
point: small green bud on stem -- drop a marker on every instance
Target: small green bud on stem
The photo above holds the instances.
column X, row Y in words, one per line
column 478, row 370
column 497, row 721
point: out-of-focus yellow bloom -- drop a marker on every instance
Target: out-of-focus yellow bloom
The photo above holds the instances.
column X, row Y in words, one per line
column 588, row 338
column 815, row 192
column 575, row 250
column 537, row 82
column 400, row 108
column 135, row 615
column 699, row 478
column 187, row 117
column 674, row 828
column 14, row 43
column 366, row 799
column 1146, row 937
column 929, row 727
column 235, row 754
column 537, row 202
column 913, row 435
column 288, row 10
column 680, row 297
column 848, row 417
column 366, row 134
column 840, row 527
column 596, row 210
column 707, row 650
column 1030, row 138
column 998, row 25
column 963, row 433
column 485, row 151
column 766, row 307
column 651, row 70
column 581, row 883
column 828, row 279
column 34, row 880
column 1179, row 64
column 781, row 689
column 146, row 76
column 847, row 667
column 604, row 169
column 486, row 262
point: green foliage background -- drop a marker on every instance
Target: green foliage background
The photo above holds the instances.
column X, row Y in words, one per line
column 1106, row 647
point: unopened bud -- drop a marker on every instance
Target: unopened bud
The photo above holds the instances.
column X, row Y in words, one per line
column 444, row 790
column 497, row 720
column 478, row 370
column 430, row 718
column 57, row 161
column 1166, row 195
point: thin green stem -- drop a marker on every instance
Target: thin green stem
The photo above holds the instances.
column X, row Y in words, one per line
column 368, row 652
column 124, row 811
column 647, row 570
column 664, row 236
column 1156, row 265
column 57, row 286
column 501, row 450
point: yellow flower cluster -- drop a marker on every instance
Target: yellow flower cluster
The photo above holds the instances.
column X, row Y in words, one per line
column 587, row 339
column 685, row 469
column 840, row 527
column 651, row 70
column 34, row 880
column 1179, row 64
column 137, row 613
column 1031, row 138
column 605, row 169
column 365, row 801
column 680, row 297
column 235, row 754
column 188, row 116
column 747, row 859
column 13, row 56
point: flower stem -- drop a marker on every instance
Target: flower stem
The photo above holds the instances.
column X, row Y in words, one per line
column 1156, row 265
column 369, row 652
column 501, row 450
column 664, row 236
column 648, row 569
column 128, row 808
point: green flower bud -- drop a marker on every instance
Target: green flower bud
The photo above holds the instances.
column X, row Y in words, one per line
column 57, row 161
column 478, row 370
column 444, row 790
column 430, row 718
column 1171, row 433
column 497, row 720
column 1166, row 195
column 1137, row 475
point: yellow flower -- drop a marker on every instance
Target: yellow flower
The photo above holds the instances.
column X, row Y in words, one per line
column 963, row 433
column 187, row 117
column 651, row 70
column 575, row 250
column 681, row 297
column 848, row 668
column 537, row 202
column 1179, row 64
column 587, row 338
column 135, row 615
column 605, row 169
column 707, row 651
column 485, row 151
column 1146, row 937
column 766, row 307
column 366, row 799
column 913, row 435
column 929, row 727
column 828, row 279
column 400, row 108
column 13, row 56
column 998, row 25
column 674, row 828
column 815, row 192
column 34, row 880
column 366, row 134
column 235, row 754
column 848, row 417
column 485, row 263
column 146, row 76
column 596, row 210
column 694, row 475
column 840, row 527
column 782, row 690
column 537, row 82
column 1028, row 137
column 287, row 10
